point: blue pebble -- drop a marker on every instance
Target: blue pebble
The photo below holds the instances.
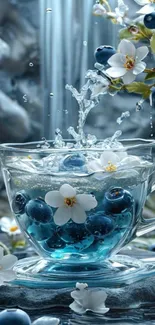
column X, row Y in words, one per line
column 103, row 53
column 73, row 233
column 117, row 200
column 19, row 202
column 149, row 20
column 14, row 317
column 73, row 162
column 100, row 225
column 38, row 210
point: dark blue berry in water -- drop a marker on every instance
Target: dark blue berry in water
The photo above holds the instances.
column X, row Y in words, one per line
column 73, row 162
column 117, row 200
column 152, row 248
column 38, row 210
column 54, row 242
column 103, row 53
column 73, row 233
column 19, row 202
column 14, row 317
column 149, row 20
column 100, row 225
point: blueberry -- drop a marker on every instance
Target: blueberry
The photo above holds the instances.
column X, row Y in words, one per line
column 100, row 225
column 54, row 242
column 149, row 20
column 38, row 210
column 103, row 53
column 14, row 317
column 73, row 162
column 19, row 202
column 73, row 233
column 117, row 200
column 152, row 248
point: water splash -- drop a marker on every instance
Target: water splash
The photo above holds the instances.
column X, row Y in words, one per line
column 58, row 141
column 139, row 105
column 122, row 117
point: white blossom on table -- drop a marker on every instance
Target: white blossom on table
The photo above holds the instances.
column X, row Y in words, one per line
column 127, row 62
column 6, row 264
column 148, row 6
column 9, row 226
column 86, row 299
column 70, row 204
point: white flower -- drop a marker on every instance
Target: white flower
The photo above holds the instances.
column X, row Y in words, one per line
column 9, row 226
column 99, row 10
column 108, row 161
column 127, row 63
column 70, row 205
column 89, row 300
column 148, row 6
column 120, row 13
column 6, row 263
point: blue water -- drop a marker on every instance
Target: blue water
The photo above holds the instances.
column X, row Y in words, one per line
column 104, row 232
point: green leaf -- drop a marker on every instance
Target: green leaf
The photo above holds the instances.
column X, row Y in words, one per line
column 139, row 88
column 144, row 30
column 150, row 75
column 124, row 33
column 152, row 43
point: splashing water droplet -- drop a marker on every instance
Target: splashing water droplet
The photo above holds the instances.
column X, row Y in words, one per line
column 25, row 98
column 85, row 43
column 30, row 64
column 66, row 112
column 139, row 105
column 51, row 94
column 122, row 117
column 45, row 144
column 49, row 10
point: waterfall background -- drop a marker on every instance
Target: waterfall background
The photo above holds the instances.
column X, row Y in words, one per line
column 69, row 35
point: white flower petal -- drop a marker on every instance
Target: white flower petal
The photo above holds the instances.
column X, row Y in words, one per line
column 101, row 310
column 8, row 261
column 77, row 308
column 127, row 48
column 148, row 9
column 117, row 60
column 142, row 52
column 109, row 156
column 81, row 286
column 5, row 221
column 62, row 215
column 116, row 72
column 142, row 2
column 78, row 295
column 95, row 165
column 99, row 10
column 67, row 190
column 78, row 214
column 54, row 199
column 128, row 77
column 7, row 275
column 86, row 201
column 99, row 298
column 122, row 154
column 139, row 67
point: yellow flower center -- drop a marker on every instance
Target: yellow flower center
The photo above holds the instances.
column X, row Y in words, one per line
column 111, row 167
column 13, row 228
column 129, row 63
column 70, row 201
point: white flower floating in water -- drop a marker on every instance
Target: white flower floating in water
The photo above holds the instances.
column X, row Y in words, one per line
column 88, row 300
column 9, row 226
column 127, row 63
column 6, row 264
column 70, row 205
column 120, row 13
column 108, row 161
column 148, row 6
column 99, row 10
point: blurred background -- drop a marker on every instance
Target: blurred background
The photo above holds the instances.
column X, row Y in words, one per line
column 45, row 44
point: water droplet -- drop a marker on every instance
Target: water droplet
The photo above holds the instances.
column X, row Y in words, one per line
column 139, row 105
column 30, row 64
column 66, row 112
column 122, row 117
column 25, row 98
column 151, row 134
column 49, row 10
column 85, row 43
column 51, row 94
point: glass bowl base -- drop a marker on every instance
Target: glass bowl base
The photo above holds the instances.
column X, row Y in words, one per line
column 119, row 270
